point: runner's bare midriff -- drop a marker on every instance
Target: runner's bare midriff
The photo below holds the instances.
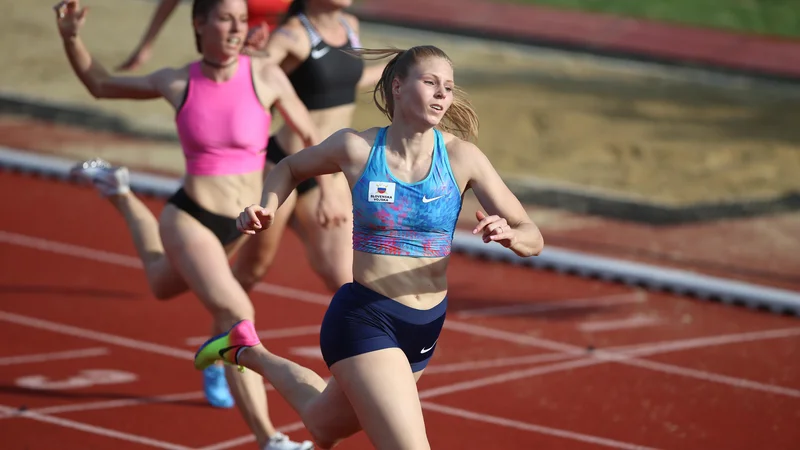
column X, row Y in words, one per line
column 419, row 283
column 226, row 195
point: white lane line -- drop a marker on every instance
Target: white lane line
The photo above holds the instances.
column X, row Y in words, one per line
column 634, row 321
column 95, row 335
column 54, row 356
column 92, row 429
column 564, row 434
column 560, row 305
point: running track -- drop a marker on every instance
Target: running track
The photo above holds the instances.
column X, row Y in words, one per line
column 528, row 359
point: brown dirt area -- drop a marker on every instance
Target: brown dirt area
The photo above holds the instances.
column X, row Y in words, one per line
column 626, row 129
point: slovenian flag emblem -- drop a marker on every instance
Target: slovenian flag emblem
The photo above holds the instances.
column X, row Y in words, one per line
column 381, row 189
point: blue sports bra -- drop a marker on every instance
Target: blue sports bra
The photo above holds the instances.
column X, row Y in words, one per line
column 391, row 217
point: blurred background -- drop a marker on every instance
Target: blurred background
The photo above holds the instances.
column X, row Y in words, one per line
column 655, row 131
column 661, row 155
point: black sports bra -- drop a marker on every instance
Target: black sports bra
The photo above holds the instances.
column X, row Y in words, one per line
column 328, row 77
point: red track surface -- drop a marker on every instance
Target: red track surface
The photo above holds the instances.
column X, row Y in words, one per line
column 596, row 32
column 70, row 284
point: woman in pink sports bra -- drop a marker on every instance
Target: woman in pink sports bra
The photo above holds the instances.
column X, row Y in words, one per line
column 222, row 105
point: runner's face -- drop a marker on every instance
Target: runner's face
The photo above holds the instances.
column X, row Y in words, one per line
column 427, row 92
column 224, row 32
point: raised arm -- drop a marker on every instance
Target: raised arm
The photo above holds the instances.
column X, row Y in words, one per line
column 273, row 45
column 70, row 18
column 141, row 53
column 506, row 221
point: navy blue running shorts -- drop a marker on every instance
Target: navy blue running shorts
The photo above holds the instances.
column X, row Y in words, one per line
column 360, row 320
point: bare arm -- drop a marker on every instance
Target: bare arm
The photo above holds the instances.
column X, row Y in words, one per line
column 502, row 206
column 373, row 72
column 141, row 53
column 91, row 73
column 277, row 46
column 299, row 120
column 101, row 84
column 160, row 16
column 329, row 156
column 290, row 106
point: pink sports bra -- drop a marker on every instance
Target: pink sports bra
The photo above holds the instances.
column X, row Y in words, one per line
column 223, row 128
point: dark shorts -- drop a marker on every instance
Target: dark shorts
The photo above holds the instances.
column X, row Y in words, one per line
column 224, row 228
column 275, row 154
column 360, row 320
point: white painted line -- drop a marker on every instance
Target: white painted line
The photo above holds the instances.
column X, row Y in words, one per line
column 250, row 438
column 584, row 264
column 121, row 403
column 634, row 321
column 77, row 251
column 83, row 379
column 268, row 334
column 702, row 342
column 134, row 263
column 312, row 351
column 564, row 434
column 55, row 356
column 713, row 377
column 506, row 377
column 465, row 366
column 559, row 305
column 627, row 358
column 321, row 299
column 517, row 338
column 95, row 335
column 92, row 429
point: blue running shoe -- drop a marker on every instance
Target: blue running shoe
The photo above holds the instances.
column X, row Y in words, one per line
column 216, row 387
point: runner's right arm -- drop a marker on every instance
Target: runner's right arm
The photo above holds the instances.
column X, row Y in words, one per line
column 101, row 84
column 70, row 18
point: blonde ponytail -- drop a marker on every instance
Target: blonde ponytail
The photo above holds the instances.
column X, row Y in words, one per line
column 460, row 119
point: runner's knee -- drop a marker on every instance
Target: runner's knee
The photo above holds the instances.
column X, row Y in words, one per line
column 164, row 290
column 252, row 265
column 334, row 274
column 322, row 437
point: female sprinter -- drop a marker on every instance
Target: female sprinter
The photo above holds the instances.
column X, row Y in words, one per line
column 311, row 46
column 263, row 15
column 222, row 118
column 381, row 330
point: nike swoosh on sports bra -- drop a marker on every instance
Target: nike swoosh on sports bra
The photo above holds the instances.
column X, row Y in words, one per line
column 391, row 217
column 328, row 77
